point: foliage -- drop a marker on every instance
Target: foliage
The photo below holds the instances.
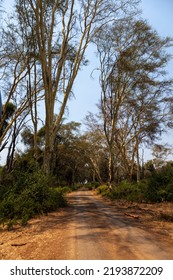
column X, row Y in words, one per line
column 89, row 186
column 63, row 190
column 92, row 185
column 160, row 185
column 130, row 191
column 104, row 190
column 27, row 195
column 72, row 165
column 6, row 115
column 156, row 188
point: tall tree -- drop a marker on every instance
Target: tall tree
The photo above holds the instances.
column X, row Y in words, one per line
column 14, row 71
column 133, row 89
column 96, row 148
column 63, row 30
column 20, row 80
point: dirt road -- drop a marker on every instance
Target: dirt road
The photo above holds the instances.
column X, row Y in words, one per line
column 90, row 228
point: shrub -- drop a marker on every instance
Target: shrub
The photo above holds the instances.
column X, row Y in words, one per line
column 103, row 190
column 130, row 191
column 127, row 190
column 30, row 195
column 63, row 190
column 157, row 188
column 90, row 186
column 160, row 185
column 95, row 185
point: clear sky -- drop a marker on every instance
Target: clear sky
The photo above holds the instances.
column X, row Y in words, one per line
column 159, row 15
column 86, row 90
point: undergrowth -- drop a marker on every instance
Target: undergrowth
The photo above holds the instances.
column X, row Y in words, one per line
column 157, row 188
column 24, row 195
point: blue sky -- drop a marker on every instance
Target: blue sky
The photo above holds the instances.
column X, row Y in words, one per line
column 159, row 15
column 86, row 90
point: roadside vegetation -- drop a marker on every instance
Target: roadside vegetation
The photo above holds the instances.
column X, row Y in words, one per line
column 25, row 194
column 156, row 188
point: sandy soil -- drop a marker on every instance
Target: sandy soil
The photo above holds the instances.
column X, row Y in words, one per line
column 92, row 227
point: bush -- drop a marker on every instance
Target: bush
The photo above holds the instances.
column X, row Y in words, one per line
column 160, row 185
column 95, row 185
column 63, row 190
column 103, row 190
column 128, row 191
column 90, row 186
column 30, row 195
column 157, row 188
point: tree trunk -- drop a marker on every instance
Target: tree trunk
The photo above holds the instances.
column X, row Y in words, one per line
column 49, row 145
column 138, row 161
column 110, row 168
column 11, row 150
column 96, row 171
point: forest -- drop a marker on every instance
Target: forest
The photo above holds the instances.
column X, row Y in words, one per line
column 42, row 49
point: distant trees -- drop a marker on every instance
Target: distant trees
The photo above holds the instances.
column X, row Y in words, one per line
column 71, row 157
column 96, row 151
column 71, row 163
